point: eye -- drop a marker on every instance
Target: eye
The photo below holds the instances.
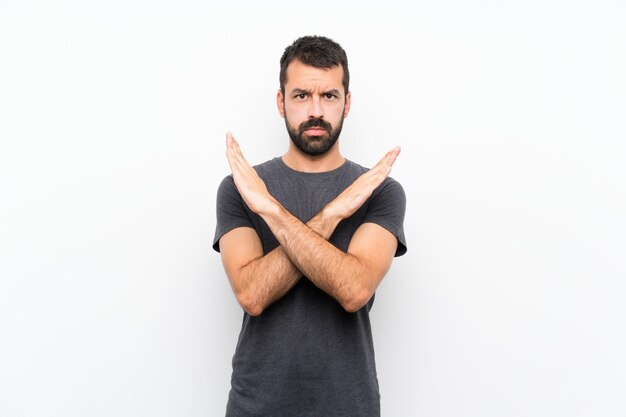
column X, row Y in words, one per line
column 330, row 96
column 300, row 96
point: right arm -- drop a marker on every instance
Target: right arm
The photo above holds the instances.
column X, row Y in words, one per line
column 258, row 280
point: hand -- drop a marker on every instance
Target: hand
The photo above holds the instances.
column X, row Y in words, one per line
column 353, row 197
column 252, row 188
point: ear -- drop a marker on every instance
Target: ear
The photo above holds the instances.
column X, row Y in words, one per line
column 346, row 108
column 280, row 103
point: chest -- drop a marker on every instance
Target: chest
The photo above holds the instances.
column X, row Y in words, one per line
column 306, row 197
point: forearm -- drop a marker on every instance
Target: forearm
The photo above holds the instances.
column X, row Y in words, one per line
column 266, row 279
column 343, row 276
column 337, row 273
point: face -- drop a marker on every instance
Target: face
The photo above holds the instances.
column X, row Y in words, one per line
column 314, row 106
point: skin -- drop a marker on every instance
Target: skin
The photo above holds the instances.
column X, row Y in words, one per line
column 350, row 277
column 325, row 99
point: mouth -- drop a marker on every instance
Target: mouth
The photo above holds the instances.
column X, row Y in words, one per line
column 315, row 131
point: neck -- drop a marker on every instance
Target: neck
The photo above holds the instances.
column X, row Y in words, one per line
column 299, row 161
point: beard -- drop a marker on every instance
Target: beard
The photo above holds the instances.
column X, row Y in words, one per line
column 314, row 145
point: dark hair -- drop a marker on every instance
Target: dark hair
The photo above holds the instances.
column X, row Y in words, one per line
column 316, row 51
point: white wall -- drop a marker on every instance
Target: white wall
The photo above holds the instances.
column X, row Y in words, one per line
column 511, row 117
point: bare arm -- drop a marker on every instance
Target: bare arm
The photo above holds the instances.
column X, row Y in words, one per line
column 259, row 280
column 351, row 277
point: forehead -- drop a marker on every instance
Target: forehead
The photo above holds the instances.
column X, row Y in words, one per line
column 306, row 77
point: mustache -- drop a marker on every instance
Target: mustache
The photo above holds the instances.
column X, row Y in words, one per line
column 315, row 123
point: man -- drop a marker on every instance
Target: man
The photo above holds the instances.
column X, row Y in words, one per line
column 305, row 240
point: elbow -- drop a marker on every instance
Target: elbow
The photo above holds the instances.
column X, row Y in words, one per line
column 356, row 300
column 254, row 311
column 249, row 305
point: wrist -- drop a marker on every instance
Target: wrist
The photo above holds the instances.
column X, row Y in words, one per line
column 327, row 221
column 270, row 208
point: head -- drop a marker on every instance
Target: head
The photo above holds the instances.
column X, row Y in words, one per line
column 314, row 97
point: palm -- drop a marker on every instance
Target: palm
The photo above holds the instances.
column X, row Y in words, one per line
column 251, row 187
column 362, row 188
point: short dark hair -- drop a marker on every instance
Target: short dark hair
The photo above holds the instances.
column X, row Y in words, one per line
column 316, row 51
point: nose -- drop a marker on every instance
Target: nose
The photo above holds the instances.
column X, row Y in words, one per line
column 316, row 110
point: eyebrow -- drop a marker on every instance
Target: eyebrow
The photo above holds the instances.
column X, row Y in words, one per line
column 297, row 91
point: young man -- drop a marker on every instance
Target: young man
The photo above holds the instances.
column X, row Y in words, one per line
column 305, row 240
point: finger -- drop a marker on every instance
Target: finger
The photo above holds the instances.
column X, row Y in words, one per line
column 240, row 156
column 391, row 157
column 235, row 158
column 229, row 139
column 383, row 168
column 231, row 142
column 230, row 151
column 231, row 160
column 238, row 149
column 232, row 145
column 394, row 152
column 382, row 160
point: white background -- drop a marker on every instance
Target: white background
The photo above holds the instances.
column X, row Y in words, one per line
column 511, row 119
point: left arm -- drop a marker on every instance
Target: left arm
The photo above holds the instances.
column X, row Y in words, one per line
column 351, row 278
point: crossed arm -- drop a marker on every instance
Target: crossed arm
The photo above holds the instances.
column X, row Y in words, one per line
column 350, row 277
